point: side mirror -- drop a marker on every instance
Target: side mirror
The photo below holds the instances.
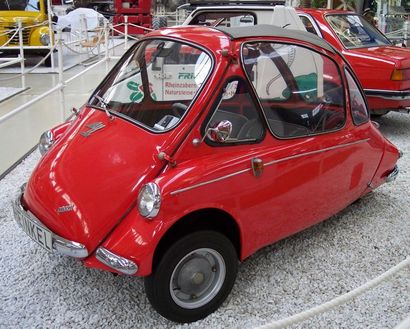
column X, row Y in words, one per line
column 221, row 132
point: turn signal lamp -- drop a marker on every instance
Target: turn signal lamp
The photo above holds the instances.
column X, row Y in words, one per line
column 400, row 75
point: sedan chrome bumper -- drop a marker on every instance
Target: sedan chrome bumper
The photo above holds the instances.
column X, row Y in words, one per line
column 396, row 95
column 38, row 232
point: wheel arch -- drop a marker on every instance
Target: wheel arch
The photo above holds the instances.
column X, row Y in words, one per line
column 210, row 219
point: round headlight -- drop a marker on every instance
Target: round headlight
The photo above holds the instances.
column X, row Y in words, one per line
column 45, row 39
column 149, row 200
column 46, row 141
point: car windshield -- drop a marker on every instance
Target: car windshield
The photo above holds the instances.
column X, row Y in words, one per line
column 155, row 84
column 22, row 5
column 355, row 32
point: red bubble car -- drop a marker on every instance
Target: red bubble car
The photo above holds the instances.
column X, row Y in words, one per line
column 382, row 68
column 200, row 147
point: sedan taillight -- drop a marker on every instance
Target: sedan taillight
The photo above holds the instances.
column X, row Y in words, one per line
column 400, row 75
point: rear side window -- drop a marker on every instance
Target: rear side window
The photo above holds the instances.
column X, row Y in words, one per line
column 300, row 90
column 360, row 114
column 308, row 24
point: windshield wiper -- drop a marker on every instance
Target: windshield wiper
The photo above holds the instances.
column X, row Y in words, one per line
column 104, row 106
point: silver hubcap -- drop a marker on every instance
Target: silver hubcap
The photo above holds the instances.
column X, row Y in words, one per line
column 197, row 278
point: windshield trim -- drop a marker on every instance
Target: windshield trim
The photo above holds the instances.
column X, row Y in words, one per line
column 118, row 65
column 355, row 47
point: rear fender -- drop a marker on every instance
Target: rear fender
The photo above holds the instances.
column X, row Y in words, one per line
column 388, row 161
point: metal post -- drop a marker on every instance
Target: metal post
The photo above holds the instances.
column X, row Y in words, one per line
column 84, row 28
column 107, row 55
column 126, row 32
column 329, row 4
column 23, row 75
column 50, row 32
column 60, row 72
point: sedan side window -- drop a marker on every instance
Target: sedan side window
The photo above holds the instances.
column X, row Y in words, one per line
column 300, row 90
column 237, row 106
column 308, row 24
column 360, row 114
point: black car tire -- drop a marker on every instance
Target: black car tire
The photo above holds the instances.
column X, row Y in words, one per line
column 193, row 277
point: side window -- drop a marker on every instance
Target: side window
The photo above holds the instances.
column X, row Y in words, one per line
column 301, row 91
column 360, row 114
column 308, row 24
column 237, row 106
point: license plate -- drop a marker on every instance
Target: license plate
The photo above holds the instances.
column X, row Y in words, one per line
column 36, row 232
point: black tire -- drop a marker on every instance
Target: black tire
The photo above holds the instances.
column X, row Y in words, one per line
column 211, row 262
column 159, row 22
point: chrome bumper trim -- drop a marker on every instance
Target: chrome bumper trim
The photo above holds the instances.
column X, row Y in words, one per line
column 60, row 245
column 388, row 94
column 393, row 175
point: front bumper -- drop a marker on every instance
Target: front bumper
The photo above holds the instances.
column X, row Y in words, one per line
column 392, row 175
column 42, row 235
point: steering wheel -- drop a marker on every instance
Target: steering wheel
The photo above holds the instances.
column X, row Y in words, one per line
column 178, row 109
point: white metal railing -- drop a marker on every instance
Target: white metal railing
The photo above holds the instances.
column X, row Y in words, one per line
column 60, row 44
column 61, row 82
column 305, row 315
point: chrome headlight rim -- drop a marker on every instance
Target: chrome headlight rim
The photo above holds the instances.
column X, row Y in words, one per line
column 46, row 141
column 45, row 39
column 149, row 200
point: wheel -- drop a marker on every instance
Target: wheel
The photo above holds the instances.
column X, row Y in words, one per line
column 159, row 22
column 193, row 277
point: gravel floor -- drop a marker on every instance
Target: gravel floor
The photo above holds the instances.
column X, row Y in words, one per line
column 41, row 290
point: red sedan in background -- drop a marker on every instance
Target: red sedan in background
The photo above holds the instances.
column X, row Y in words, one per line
column 382, row 68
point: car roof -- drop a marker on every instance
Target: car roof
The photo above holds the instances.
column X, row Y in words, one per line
column 265, row 30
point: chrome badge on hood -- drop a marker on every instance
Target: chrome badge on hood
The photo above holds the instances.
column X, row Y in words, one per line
column 93, row 128
column 66, row 208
